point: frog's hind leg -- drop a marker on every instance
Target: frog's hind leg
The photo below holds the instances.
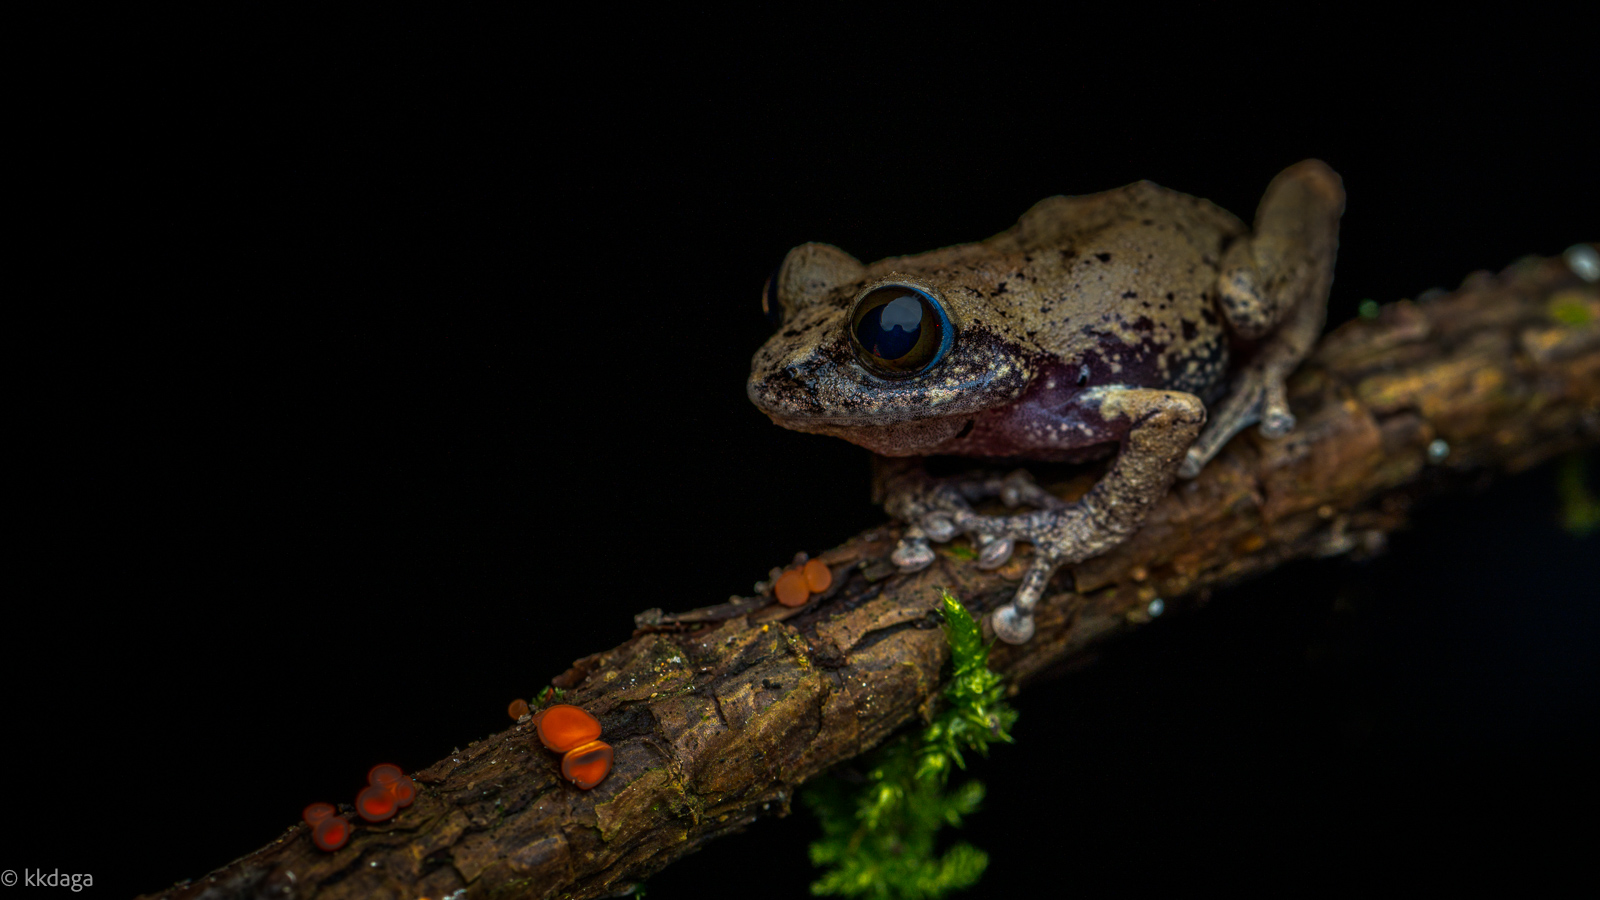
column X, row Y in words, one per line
column 1155, row 427
column 1274, row 287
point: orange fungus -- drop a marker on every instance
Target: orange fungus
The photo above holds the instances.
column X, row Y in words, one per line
column 564, row 726
column 331, row 833
column 818, row 576
column 316, row 812
column 403, row 791
column 375, row 803
column 588, row 765
column 385, row 773
column 518, row 708
column 791, row 588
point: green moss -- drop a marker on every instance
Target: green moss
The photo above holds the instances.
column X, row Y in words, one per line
column 1580, row 511
column 1570, row 308
column 879, row 839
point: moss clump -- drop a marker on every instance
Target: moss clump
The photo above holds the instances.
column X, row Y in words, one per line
column 1580, row 511
column 1571, row 308
column 879, row 838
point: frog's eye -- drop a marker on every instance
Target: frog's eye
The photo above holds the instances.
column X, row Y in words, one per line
column 769, row 300
column 899, row 331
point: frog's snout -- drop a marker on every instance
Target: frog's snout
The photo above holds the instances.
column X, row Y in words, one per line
column 786, row 391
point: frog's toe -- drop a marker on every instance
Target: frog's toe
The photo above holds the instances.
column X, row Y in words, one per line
column 1275, row 425
column 1193, row 462
column 1012, row 626
column 1276, row 420
column 994, row 552
column 912, row 554
column 1019, row 489
column 938, row 527
column 1013, row 623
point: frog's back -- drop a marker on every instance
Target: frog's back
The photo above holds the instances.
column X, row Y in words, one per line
column 1065, row 221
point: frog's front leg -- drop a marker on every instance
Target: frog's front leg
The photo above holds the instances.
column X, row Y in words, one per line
column 1273, row 287
column 1154, row 429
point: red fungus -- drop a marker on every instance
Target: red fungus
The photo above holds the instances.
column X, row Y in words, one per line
column 791, row 588
column 384, row 773
column 518, row 708
column 404, row 792
column 564, row 726
column 316, row 812
column 331, row 833
column 375, row 803
column 588, row 765
column 818, row 576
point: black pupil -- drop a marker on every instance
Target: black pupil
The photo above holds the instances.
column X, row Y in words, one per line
column 891, row 330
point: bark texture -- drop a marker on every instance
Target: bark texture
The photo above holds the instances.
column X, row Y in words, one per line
column 719, row 715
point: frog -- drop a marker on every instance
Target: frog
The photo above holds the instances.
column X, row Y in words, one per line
column 1140, row 325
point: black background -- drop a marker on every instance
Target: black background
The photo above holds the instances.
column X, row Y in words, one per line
column 383, row 368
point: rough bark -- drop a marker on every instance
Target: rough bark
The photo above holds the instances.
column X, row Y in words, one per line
column 718, row 716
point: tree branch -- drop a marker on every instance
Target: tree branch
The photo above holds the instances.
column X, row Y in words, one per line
column 719, row 715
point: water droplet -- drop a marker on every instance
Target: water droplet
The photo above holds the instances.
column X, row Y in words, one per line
column 1438, row 449
column 1583, row 261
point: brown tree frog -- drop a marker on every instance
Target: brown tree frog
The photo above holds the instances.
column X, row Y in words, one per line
column 1098, row 324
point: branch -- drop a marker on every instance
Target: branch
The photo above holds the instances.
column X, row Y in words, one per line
column 719, row 715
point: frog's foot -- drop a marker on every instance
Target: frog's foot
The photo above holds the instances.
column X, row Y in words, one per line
column 1256, row 395
column 938, row 509
column 1154, row 428
column 1274, row 286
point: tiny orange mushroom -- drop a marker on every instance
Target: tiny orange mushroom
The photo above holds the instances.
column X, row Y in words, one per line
column 518, row 708
column 316, row 813
column 588, row 765
column 384, row 774
column 375, row 803
column 563, row 727
column 791, row 588
column 818, row 576
column 331, row 833
column 403, row 791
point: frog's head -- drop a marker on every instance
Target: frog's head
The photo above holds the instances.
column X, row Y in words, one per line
column 896, row 361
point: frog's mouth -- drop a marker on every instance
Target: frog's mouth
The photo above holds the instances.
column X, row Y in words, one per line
column 805, row 399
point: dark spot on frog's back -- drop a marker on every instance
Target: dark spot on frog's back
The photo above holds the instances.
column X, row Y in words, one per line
column 999, row 289
column 1103, row 257
column 1130, row 295
column 1189, row 330
column 1144, row 323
